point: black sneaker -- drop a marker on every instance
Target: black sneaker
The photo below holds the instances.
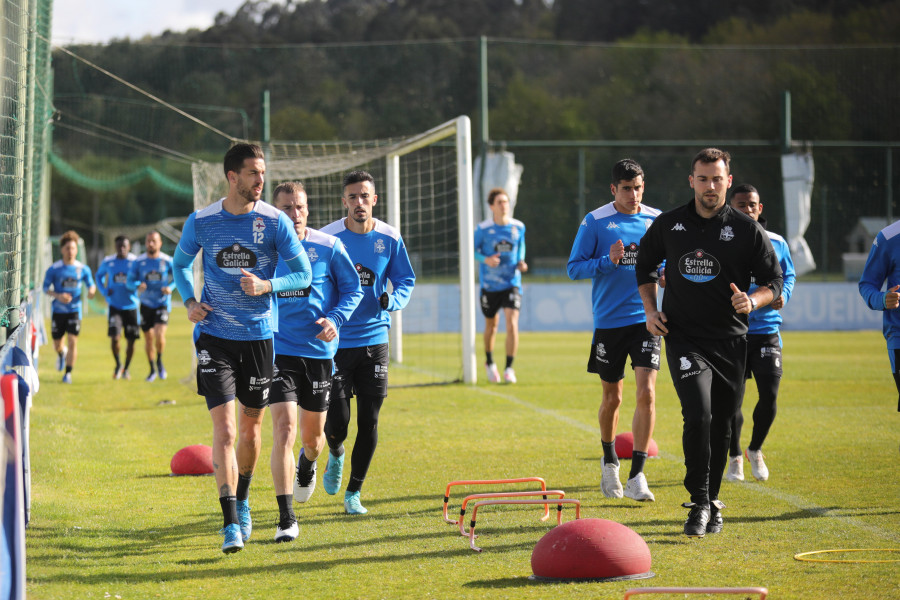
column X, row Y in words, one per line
column 695, row 526
column 715, row 517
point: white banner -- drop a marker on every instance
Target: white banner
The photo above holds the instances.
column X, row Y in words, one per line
column 797, row 176
column 500, row 170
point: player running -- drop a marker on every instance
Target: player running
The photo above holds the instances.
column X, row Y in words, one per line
column 379, row 256
column 605, row 250
column 152, row 273
column 112, row 281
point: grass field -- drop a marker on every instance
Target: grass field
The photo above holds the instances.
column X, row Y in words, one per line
column 108, row 521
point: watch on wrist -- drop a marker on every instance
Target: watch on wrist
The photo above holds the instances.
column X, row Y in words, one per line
column 752, row 303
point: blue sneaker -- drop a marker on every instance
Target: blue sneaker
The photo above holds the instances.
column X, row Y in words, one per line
column 162, row 372
column 67, row 378
column 334, row 470
column 352, row 505
column 243, row 510
column 233, row 542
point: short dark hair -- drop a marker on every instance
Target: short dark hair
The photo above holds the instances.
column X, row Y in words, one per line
column 626, row 170
column 288, row 187
column 710, row 156
column 121, row 238
column 492, row 195
column 744, row 188
column 357, row 177
column 237, row 154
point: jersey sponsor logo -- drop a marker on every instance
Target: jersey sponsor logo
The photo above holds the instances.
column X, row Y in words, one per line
column 69, row 282
column 312, row 254
column 366, row 276
column 630, row 258
column 321, row 386
column 379, row 246
column 232, row 259
column 208, row 370
column 612, row 225
column 727, row 234
column 503, row 246
column 203, row 357
column 153, row 277
column 678, row 227
column 380, row 372
column 120, row 278
column 698, row 266
column 304, row 293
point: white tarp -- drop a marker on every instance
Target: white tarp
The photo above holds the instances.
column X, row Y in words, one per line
column 797, row 176
column 500, row 170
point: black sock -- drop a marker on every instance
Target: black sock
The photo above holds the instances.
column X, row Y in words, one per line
column 229, row 509
column 336, row 452
column 306, row 465
column 127, row 363
column 285, row 510
column 354, row 485
column 509, row 360
column 68, row 369
column 118, row 363
column 159, row 364
column 638, row 459
column 489, row 358
column 609, row 453
column 152, row 368
column 243, row 487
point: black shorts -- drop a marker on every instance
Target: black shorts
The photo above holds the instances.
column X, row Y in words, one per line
column 610, row 349
column 126, row 320
column 153, row 316
column 230, row 368
column 306, row 381
column 63, row 323
column 361, row 371
column 491, row 302
column 763, row 355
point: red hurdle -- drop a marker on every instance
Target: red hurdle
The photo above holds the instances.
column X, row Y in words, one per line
column 763, row 592
column 558, row 502
column 543, row 493
column 492, row 482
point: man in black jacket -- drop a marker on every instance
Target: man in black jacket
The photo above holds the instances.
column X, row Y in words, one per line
column 711, row 252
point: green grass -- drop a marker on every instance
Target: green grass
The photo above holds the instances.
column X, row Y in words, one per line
column 108, row 521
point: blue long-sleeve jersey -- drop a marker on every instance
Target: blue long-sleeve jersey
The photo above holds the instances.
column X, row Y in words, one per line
column 112, row 281
column 68, row 279
column 767, row 319
column 614, row 294
column 378, row 257
column 509, row 242
column 883, row 267
column 156, row 273
column 251, row 241
column 334, row 294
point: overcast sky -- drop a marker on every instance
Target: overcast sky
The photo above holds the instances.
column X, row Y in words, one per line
column 97, row 21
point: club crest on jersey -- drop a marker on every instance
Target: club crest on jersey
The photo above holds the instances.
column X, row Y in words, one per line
column 727, row 234
column 312, row 254
column 600, row 350
column 684, row 363
column 379, row 246
column 235, row 257
column 699, row 266
column 203, row 357
column 258, row 225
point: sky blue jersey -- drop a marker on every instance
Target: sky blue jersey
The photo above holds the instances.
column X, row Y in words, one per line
column 65, row 278
column 334, row 294
column 378, row 257
column 882, row 271
column 112, row 281
column 156, row 274
column 767, row 319
column 509, row 242
column 614, row 293
column 251, row 241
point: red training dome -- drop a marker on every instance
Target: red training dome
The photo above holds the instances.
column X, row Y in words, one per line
column 192, row 460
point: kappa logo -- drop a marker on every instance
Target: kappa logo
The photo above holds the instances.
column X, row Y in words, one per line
column 312, row 254
column 685, row 363
column 203, row 357
column 678, row 227
column 613, row 225
column 727, row 234
column 379, row 246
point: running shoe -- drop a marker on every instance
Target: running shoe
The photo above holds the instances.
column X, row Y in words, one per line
column 305, row 483
column 352, row 504
column 287, row 532
column 117, row 373
column 636, row 488
column 61, row 359
column 67, row 378
column 609, row 480
column 126, row 375
column 243, row 510
column 334, row 470
column 509, row 376
column 162, row 372
column 758, row 465
column 233, row 542
column 715, row 517
column 151, row 377
column 735, row 468
column 493, row 375
column 697, row 520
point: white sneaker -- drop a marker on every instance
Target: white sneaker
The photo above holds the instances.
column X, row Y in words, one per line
column 735, row 468
column 609, row 480
column 636, row 488
column 493, row 375
column 287, row 535
column 303, row 490
column 758, row 465
column 151, row 377
column 509, row 375
column 61, row 359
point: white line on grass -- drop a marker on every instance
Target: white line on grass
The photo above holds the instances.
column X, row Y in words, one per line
column 795, row 501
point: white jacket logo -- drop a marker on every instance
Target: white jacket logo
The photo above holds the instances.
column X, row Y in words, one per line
column 685, row 363
column 678, row 227
column 727, row 234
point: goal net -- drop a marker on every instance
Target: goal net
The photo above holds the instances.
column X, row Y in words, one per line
column 424, row 187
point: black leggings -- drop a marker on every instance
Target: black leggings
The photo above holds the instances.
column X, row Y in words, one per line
column 763, row 415
column 336, row 425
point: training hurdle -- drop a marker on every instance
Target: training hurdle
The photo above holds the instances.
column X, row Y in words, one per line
column 558, row 503
column 763, row 592
column 540, row 480
column 543, row 493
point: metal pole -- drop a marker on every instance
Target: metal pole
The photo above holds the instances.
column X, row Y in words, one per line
column 484, row 135
column 265, row 113
column 582, row 203
column 889, row 184
column 786, row 121
column 824, row 232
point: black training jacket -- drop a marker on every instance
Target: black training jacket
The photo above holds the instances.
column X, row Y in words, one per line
column 704, row 256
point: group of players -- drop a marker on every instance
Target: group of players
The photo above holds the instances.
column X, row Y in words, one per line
column 128, row 283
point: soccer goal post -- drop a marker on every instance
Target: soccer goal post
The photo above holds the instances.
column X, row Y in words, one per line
column 424, row 187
